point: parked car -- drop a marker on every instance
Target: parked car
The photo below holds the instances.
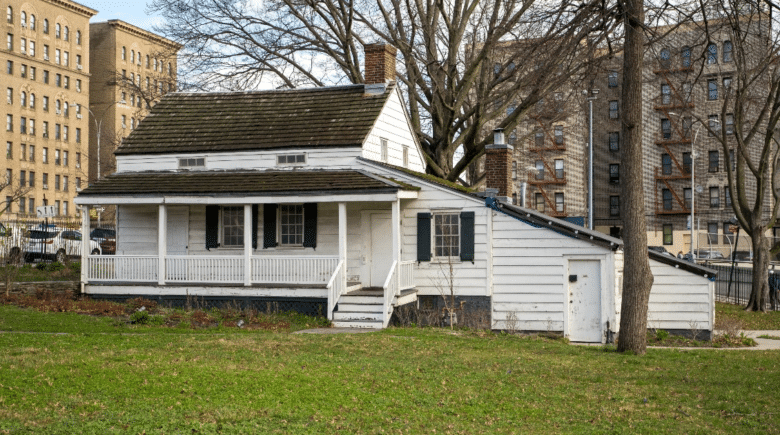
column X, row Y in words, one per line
column 743, row 255
column 106, row 237
column 53, row 243
column 661, row 250
column 707, row 254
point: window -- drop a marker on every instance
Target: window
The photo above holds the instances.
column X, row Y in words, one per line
column 78, row 37
column 32, row 101
column 687, row 162
column 539, row 137
column 23, row 45
column 233, row 226
column 714, row 197
column 124, row 121
column 668, row 234
column 714, row 158
column 614, row 206
column 57, row 56
column 713, row 124
column 539, row 170
column 712, row 89
column 46, row 77
column 406, row 156
column 560, row 207
column 712, row 54
column 32, row 48
column 78, row 160
column 559, row 169
column 45, row 155
column 685, row 55
column 65, row 133
column 9, row 150
column 9, row 67
column 712, row 233
column 727, row 192
column 132, row 56
column 9, row 14
column 687, row 124
column 32, row 155
column 32, row 22
column 666, row 94
column 66, row 84
column 733, row 160
column 57, row 159
column 78, row 85
column 23, row 152
column 58, row 80
column 614, row 173
column 729, row 123
column 666, row 129
column 613, row 109
column 32, row 127
column 665, row 58
column 66, row 33
column 559, row 134
column 9, row 96
column 612, row 79
column 728, row 49
column 124, row 53
column 147, row 65
column 614, row 141
column 66, row 58
column 291, row 159
column 514, row 170
column 726, row 84
column 9, row 42
column 65, row 183
column 9, row 123
column 22, row 205
column 539, row 202
column 666, row 194
column 23, row 125
column 32, row 179
column 383, row 150
column 64, row 158
column 23, row 71
column 291, row 224
column 45, row 180
column 666, row 164
column 78, row 135
column 31, row 205
column 45, row 52
column 132, row 123
column 45, row 130
column 199, row 162
column 78, row 182
column 728, row 236
column 687, row 197
column 45, row 26
column 57, row 131
column 56, row 182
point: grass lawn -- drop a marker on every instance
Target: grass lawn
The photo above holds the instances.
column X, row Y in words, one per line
column 754, row 321
column 103, row 378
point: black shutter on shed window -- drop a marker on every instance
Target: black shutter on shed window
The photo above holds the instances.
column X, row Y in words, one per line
column 212, row 226
column 269, row 225
column 254, row 226
column 310, row 225
column 423, row 237
column 467, row 236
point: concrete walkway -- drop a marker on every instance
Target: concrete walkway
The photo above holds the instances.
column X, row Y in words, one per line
column 763, row 343
column 329, row 331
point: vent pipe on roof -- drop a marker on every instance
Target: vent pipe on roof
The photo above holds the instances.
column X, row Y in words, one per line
column 498, row 166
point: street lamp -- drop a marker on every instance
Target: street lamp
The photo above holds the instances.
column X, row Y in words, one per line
column 590, row 155
column 98, row 125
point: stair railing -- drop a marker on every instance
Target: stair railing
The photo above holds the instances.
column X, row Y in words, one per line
column 390, row 290
column 337, row 286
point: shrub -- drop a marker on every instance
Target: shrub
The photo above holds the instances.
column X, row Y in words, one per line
column 55, row 267
column 139, row 318
column 661, row 335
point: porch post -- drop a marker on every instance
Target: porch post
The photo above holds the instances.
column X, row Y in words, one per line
column 396, row 230
column 247, row 245
column 343, row 231
column 84, row 245
column 162, row 243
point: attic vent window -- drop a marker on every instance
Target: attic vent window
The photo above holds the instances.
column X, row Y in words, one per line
column 192, row 163
column 291, row 159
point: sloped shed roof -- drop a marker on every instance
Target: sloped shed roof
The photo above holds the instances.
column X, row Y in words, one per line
column 340, row 116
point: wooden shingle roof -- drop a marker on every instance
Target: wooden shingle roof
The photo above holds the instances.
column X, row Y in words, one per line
column 239, row 183
column 340, row 116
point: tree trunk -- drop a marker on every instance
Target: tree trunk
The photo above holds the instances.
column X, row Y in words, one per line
column 759, row 294
column 637, row 277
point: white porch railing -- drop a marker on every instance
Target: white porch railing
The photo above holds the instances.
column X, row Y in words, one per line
column 337, row 286
column 391, row 290
column 202, row 268
column 126, row 268
column 406, row 275
column 298, row 270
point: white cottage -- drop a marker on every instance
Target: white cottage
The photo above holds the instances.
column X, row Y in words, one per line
column 317, row 200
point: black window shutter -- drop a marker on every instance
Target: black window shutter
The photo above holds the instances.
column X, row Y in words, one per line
column 212, row 226
column 423, row 237
column 467, row 236
column 310, row 225
column 254, row 226
column 269, row 225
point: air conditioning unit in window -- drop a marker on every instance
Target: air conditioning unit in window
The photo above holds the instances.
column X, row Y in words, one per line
column 45, row 186
column 79, row 67
column 59, row 112
column 78, row 116
column 45, row 57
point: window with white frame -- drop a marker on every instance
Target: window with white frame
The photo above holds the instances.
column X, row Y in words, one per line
column 383, row 151
column 291, row 224
column 446, row 235
column 233, row 226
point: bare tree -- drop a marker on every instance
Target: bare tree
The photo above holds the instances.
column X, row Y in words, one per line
column 455, row 58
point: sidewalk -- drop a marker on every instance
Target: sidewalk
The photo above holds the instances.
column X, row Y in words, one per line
column 763, row 343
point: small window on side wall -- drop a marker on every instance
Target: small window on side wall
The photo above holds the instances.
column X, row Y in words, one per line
column 291, row 159
column 192, row 163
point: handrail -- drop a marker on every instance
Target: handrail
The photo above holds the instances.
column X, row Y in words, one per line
column 337, row 284
column 390, row 289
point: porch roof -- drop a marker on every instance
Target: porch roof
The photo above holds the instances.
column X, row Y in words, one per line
column 240, row 184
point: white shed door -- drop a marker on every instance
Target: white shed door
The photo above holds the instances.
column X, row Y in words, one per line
column 585, row 301
column 178, row 220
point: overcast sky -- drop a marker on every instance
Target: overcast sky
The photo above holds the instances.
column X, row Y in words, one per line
column 131, row 11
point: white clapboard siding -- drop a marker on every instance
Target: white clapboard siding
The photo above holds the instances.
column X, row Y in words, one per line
column 316, row 158
column 680, row 299
column 529, row 274
column 136, row 230
column 393, row 125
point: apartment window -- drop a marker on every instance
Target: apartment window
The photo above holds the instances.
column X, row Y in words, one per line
column 559, row 134
column 31, row 205
column 58, row 80
column 666, row 195
column 58, row 107
column 726, row 84
column 45, row 155
column 539, row 170
column 729, row 120
column 291, row 224
column 57, row 131
column 124, row 56
column 78, row 182
column 687, row 197
column 132, row 56
column 66, row 83
column 57, row 207
column 685, row 55
column 23, row 125
column 65, row 183
column 8, row 203
column 132, row 123
column 665, row 58
column 78, row 37
column 712, row 54
column 23, row 71
column 32, row 155
column 559, row 169
column 560, row 207
column 687, row 162
column 57, row 56
column 666, row 129
column 9, row 174
column 45, row 131
column 539, row 137
column 124, row 121
column 78, row 85
column 713, row 159
column 614, row 173
column 66, row 58
column 733, row 160
column 45, row 26
column 728, row 236
column 66, row 110
column 23, row 45
column 78, row 135
column 57, row 159
column 32, row 49
column 46, row 77
column 612, row 79
column 714, row 197
column 613, row 109
column 668, row 234
column 45, row 52
column 406, row 155
column 712, row 233
column 9, row 123
column 56, row 182
column 666, row 94
column 728, row 49
column 45, row 180
column 65, row 133
column 9, row 96
column 539, row 198
column 712, row 89
column 514, row 170
column 9, row 41
column 64, row 158
column 614, row 141
column 32, row 101
column 22, row 152
column 78, row 160
column 512, row 135
column 22, row 205
column 32, row 127
column 614, row 206
column 727, row 193
column 713, row 124
column 66, row 33
column 9, row 150
column 9, row 14
column 9, row 67
column 24, row 19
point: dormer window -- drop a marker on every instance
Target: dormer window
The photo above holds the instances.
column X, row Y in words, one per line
column 291, row 159
column 192, row 163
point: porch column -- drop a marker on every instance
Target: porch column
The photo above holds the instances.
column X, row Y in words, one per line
column 84, row 245
column 396, row 231
column 343, row 232
column 247, row 245
column 162, row 243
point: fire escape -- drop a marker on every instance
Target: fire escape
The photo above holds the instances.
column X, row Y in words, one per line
column 547, row 145
column 674, row 105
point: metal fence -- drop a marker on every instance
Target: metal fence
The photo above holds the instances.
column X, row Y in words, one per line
column 35, row 240
column 734, row 285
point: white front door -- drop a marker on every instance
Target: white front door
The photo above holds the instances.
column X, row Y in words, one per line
column 585, row 301
column 178, row 227
column 380, row 251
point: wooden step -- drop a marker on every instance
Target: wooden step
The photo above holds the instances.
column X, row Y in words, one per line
column 369, row 308
column 357, row 324
column 357, row 316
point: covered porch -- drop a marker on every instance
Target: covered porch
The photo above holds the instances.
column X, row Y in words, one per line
column 168, row 245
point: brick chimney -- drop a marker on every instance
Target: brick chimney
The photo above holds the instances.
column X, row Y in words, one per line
column 498, row 166
column 380, row 65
